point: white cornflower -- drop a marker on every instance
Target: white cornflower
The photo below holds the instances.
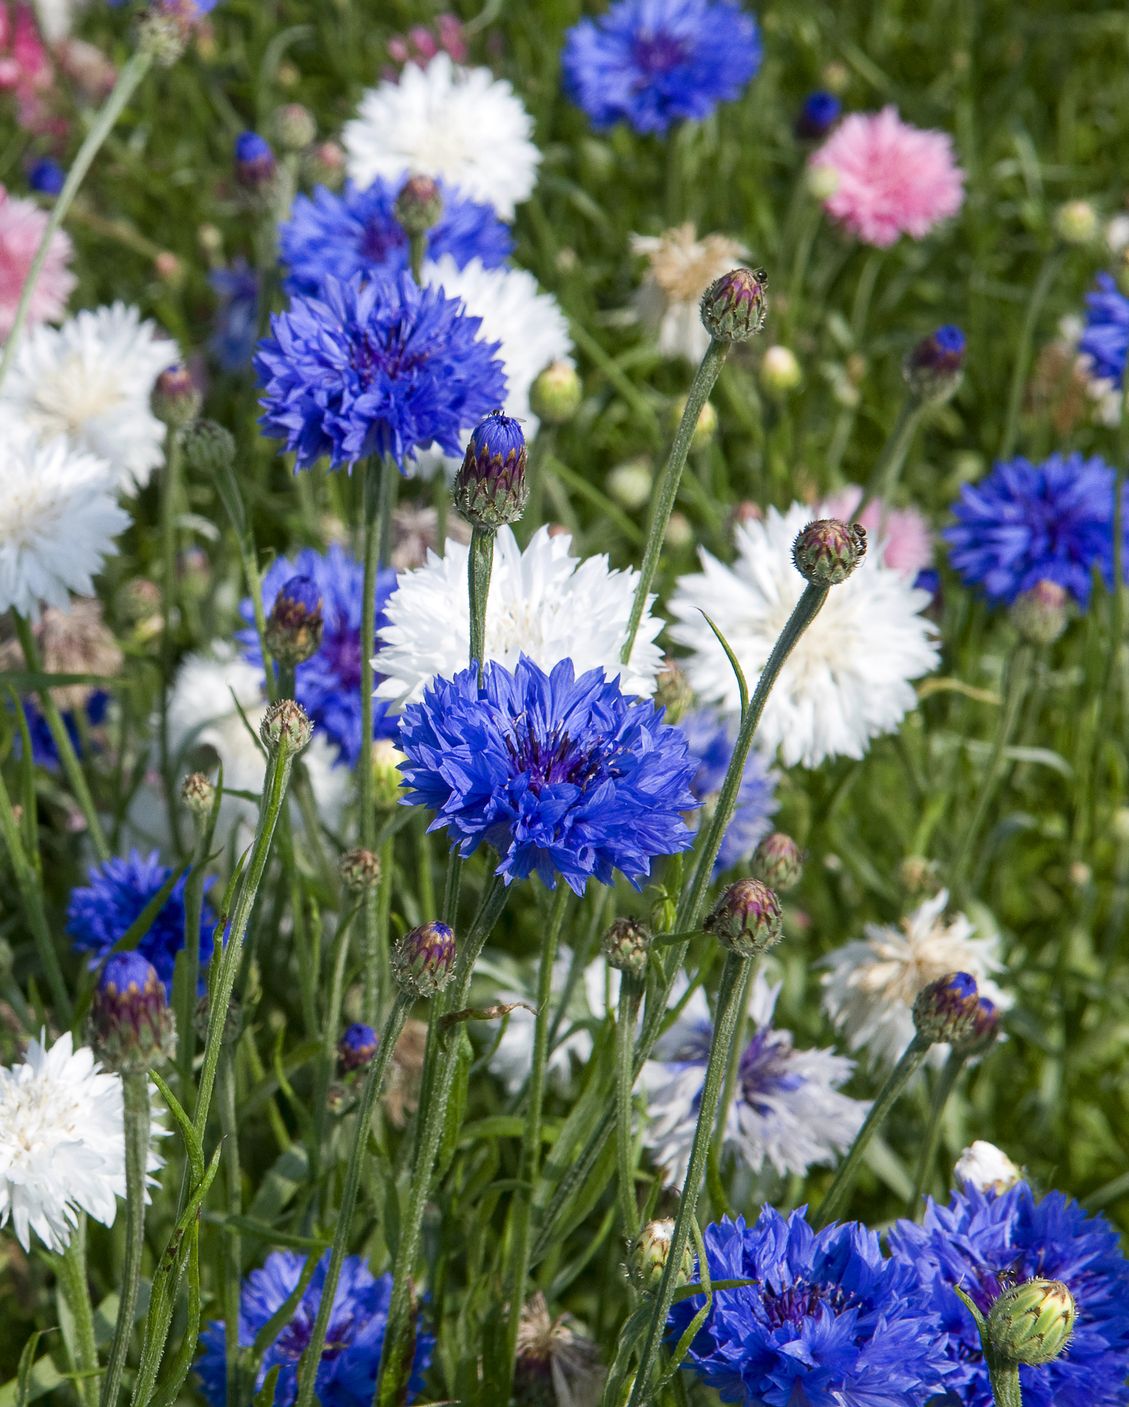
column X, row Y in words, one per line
column 680, row 269
column 516, row 312
column 543, row 603
column 848, row 680
column 58, row 517
column 987, row 1168
column 870, row 984
column 62, row 1143
column 787, row 1112
column 460, row 124
column 557, row 1363
column 89, row 381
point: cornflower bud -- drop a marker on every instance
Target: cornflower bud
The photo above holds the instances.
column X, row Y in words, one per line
column 1031, row 1323
column 387, row 780
column 778, row 861
column 46, row 176
column 650, row 1253
column 817, row 116
column 286, row 720
column 294, row 127
column 490, row 488
column 746, row 919
column 419, row 205
column 132, row 1025
column 556, row 394
column 294, row 626
column 1076, row 222
column 209, row 449
column 359, row 870
column 255, row 166
column 827, row 551
column 946, row 1010
column 176, row 398
column 423, row 961
column 198, row 793
column 984, row 1031
column 780, row 371
column 626, row 944
column 356, row 1047
column 735, row 306
column 1042, row 612
column 934, row 368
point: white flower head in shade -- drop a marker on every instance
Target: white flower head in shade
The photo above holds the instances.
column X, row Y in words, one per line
column 870, row 984
column 787, row 1113
column 848, row 680
column 680, row 269
column 543, row 602
column 62, row 1142
column 515, row 312
column 462, row 125
column 89, row 381
column 987, row 1168
column 59, row 515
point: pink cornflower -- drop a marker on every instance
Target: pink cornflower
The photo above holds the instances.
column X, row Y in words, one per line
column 25, row 66
column 21, row 227
column 901, row 534
column 889, row 178
column 421, row 44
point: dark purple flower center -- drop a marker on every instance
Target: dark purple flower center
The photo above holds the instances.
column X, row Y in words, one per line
column 764, row 1069
column 341, row 650
column 658, row 54
column 387, row 354
column 295, row 1338
column 547, row 762
column 379, row 239
column 800, row 1300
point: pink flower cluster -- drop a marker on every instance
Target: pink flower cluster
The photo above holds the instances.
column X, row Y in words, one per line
column 886, row 178
column 21, row 228
column 421, row 44
column 26, row 70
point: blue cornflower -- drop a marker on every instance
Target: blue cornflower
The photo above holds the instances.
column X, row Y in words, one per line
column 563, row 776
column 46, row 176
column 711, row 740
column 983, row 1241
column 652, row 63
column 1027, row 523
column 830, row 1322
column 327, row 685
column 44, row 753
column 1105, row 339
column 100, row 914
column 237, row 315
column 375, row 368
column 354, row 231
column 346, row 1376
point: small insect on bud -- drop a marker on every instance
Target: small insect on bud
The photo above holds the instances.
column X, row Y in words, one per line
column 1042, row 613
column 735, row 306
column 650, row 1253
column 359, row 870
column 131, row 1022
column 286, row 721
column 1031, row 1323
column 556, row 394
column 209, row 449
column 626, row 944
column 946, row 1010
column 778, row 861
column 827, row 551
column 1076, row 222
column 934, row 368
column 672, row 691
column 356, row 1047
column 490, row 488
column 746, row 919
column 198, row 793
column 295, row 624
column 255, row 166
column 176, row 399
column 419, row 205
column 817, row 116
column 294, row 127
column 424, row 959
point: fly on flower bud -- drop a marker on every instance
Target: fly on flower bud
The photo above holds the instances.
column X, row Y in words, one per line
column 1030, row 1324
column 556, row 394
column 946, row 1010
column 778, row 861
column 650, row 1253
column 1041, row 613
column 294, row 626
column 286, row 721
column 424, row 959
column 255, row 166
column 208, row 448
column 356, row 1047
column 198, row 792
column 828, row 551
column 176, row 399
column 359, row 870
column 419, row 205
column 746, row 919
column 985, row 1029
column 735, row 306
column 129, row 1015
column 626, row 944
column 935, row 366
column 490, row 488
column 817, row 116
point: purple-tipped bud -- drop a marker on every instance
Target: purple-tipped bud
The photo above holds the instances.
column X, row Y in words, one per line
column 359, row 870
column 735, row 306
column 778, row 861
column 947, row 1009
column 294, row 626
column 286, row 722
column 828, row 551
column 985, row 1029
column 130, row 1018
column 934, row 368
column 46, row 176
column 490, row 488
column 1041, row 614
column 255, row 166
column 294, row 127
column 419, row 205
column 626, row 944
column 747, row 918
column 176, row 398
column 556, row 394
column 817, row 116
column 356, row 1047
column 424, row 959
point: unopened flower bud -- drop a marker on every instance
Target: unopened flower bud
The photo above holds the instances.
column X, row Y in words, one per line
column 1041, row 613
column 294, row 127
column 780, row 371
column 778, row 862
column 286, row 721
column 324, row 164
column 626, row 944
column 631, row 484
column 817, row 116
column 164, row 29
column 679, row 532
column 490, row 488
column 705, row 428
column 359, row 870
column 255, row 166
column 176, row 399
column 419, row 205
column 651, row 1251
column 987, row 1168
column 356, row 1047
column 1031, row 1323
column 734, row 307
column 934, row 368
column 985, row 1029
column 556, row 394
column 209, row 449
column 424, row 959
column 130, row 1019
column 387, row 780
column 822, row 181
column 946, row 1009
column 827, row 551
column 198, row 793
column 1076, row 222
column 46, row 176
column 673, row 693
column 294, row 626
column 747, row 918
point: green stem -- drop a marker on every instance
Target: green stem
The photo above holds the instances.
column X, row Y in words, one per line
column 728, row 1090
column 29, row 884
column 135, row 1090
column 725, row 1026
column 1004, row 1381
column 232, row 1242
column 480, row 564
column 169, row 487
column 1051, row 265
column 328, row 1056
column 133, row 71
column 193, row 912
column 946, row 1083
column 630, row 994
column 835, row 1199
column 374, row 1080
column 417, row 248
column 71, row 1267
column 889, row 463
column 666, row 490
